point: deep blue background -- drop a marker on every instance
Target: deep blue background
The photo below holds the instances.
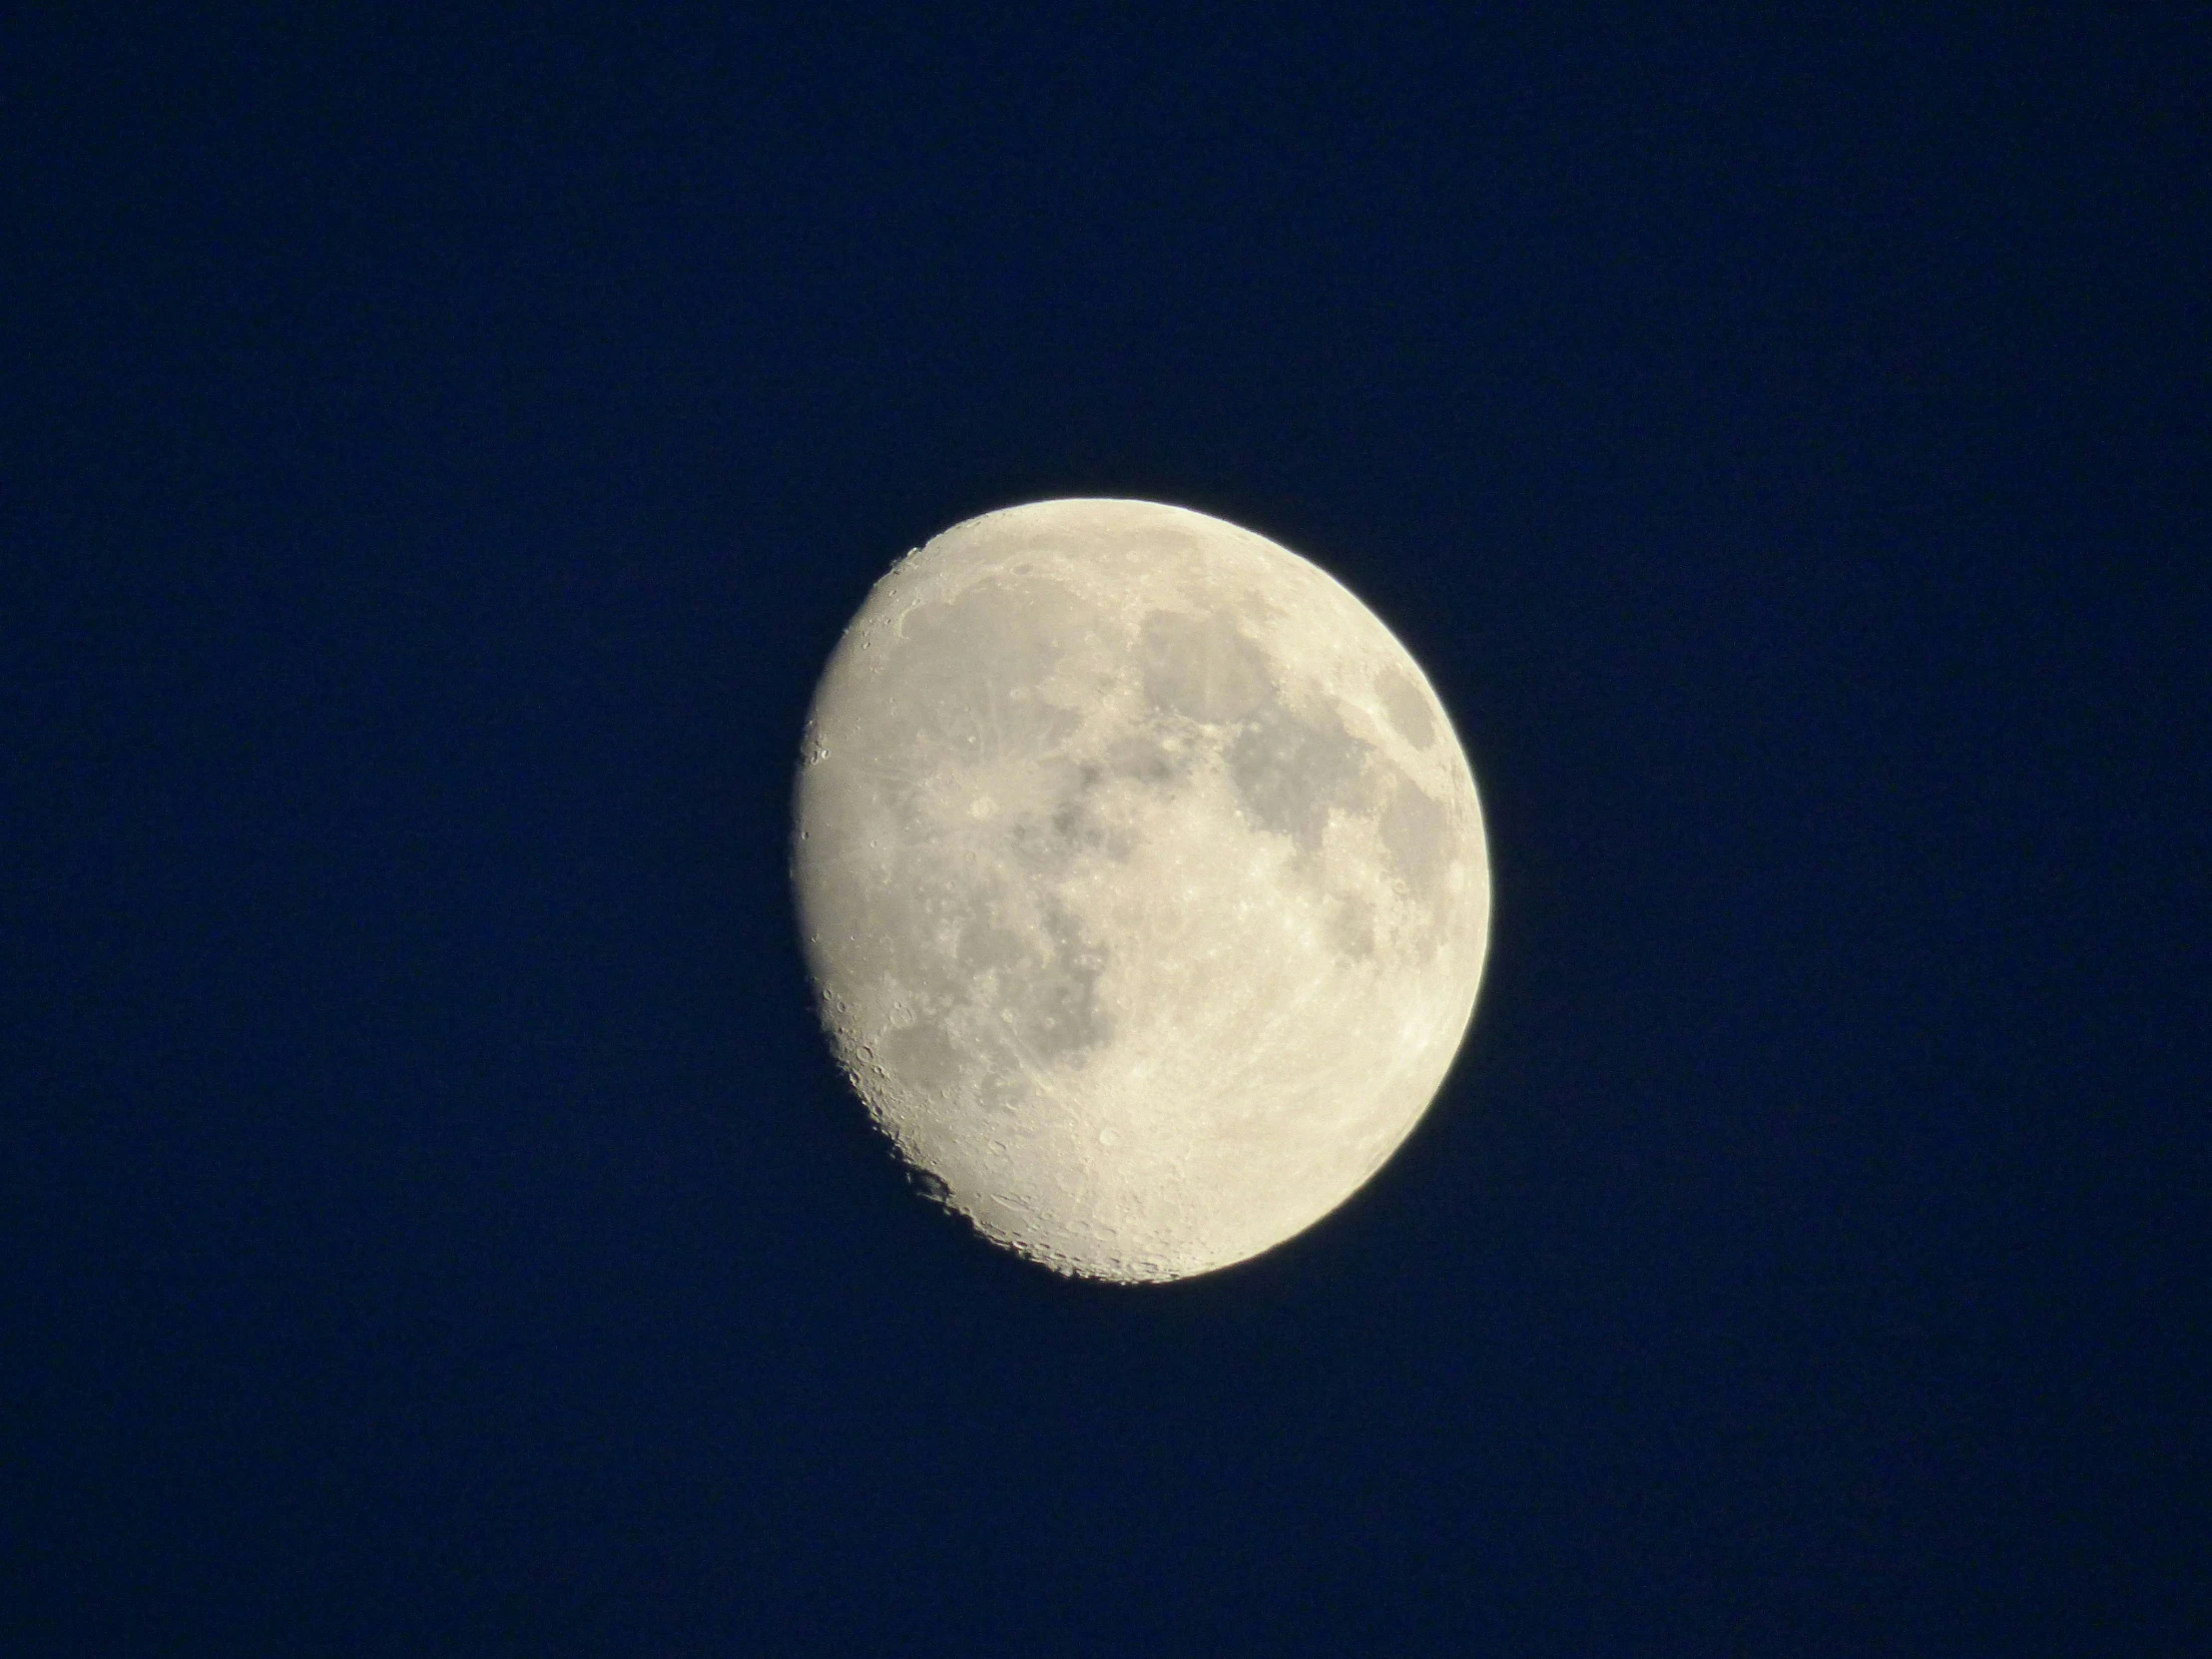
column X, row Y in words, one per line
column 437, row 463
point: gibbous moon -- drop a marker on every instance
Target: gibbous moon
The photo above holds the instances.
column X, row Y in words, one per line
column 1142, row 879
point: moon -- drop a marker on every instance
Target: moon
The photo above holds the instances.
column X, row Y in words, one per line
column 1142, row 879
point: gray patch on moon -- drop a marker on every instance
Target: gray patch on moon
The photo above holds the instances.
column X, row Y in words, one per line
column 923, row 1054
column 1291, row 772
column 1043, row 980
column 1407, row 708
column 1202, row 667
column 1149, row 756
column 1416, row 831
column 1352, row 926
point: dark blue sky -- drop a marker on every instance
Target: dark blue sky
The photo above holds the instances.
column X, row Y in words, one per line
column 434, row 463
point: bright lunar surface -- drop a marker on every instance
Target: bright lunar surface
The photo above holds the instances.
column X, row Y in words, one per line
column 1142, row 879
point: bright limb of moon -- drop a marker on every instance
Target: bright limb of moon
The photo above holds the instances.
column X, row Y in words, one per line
column 1142, row 879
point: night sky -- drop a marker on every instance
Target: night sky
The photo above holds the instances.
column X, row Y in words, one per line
column 435, row 461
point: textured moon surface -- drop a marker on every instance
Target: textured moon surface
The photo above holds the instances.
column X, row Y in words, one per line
column 1142, row 879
